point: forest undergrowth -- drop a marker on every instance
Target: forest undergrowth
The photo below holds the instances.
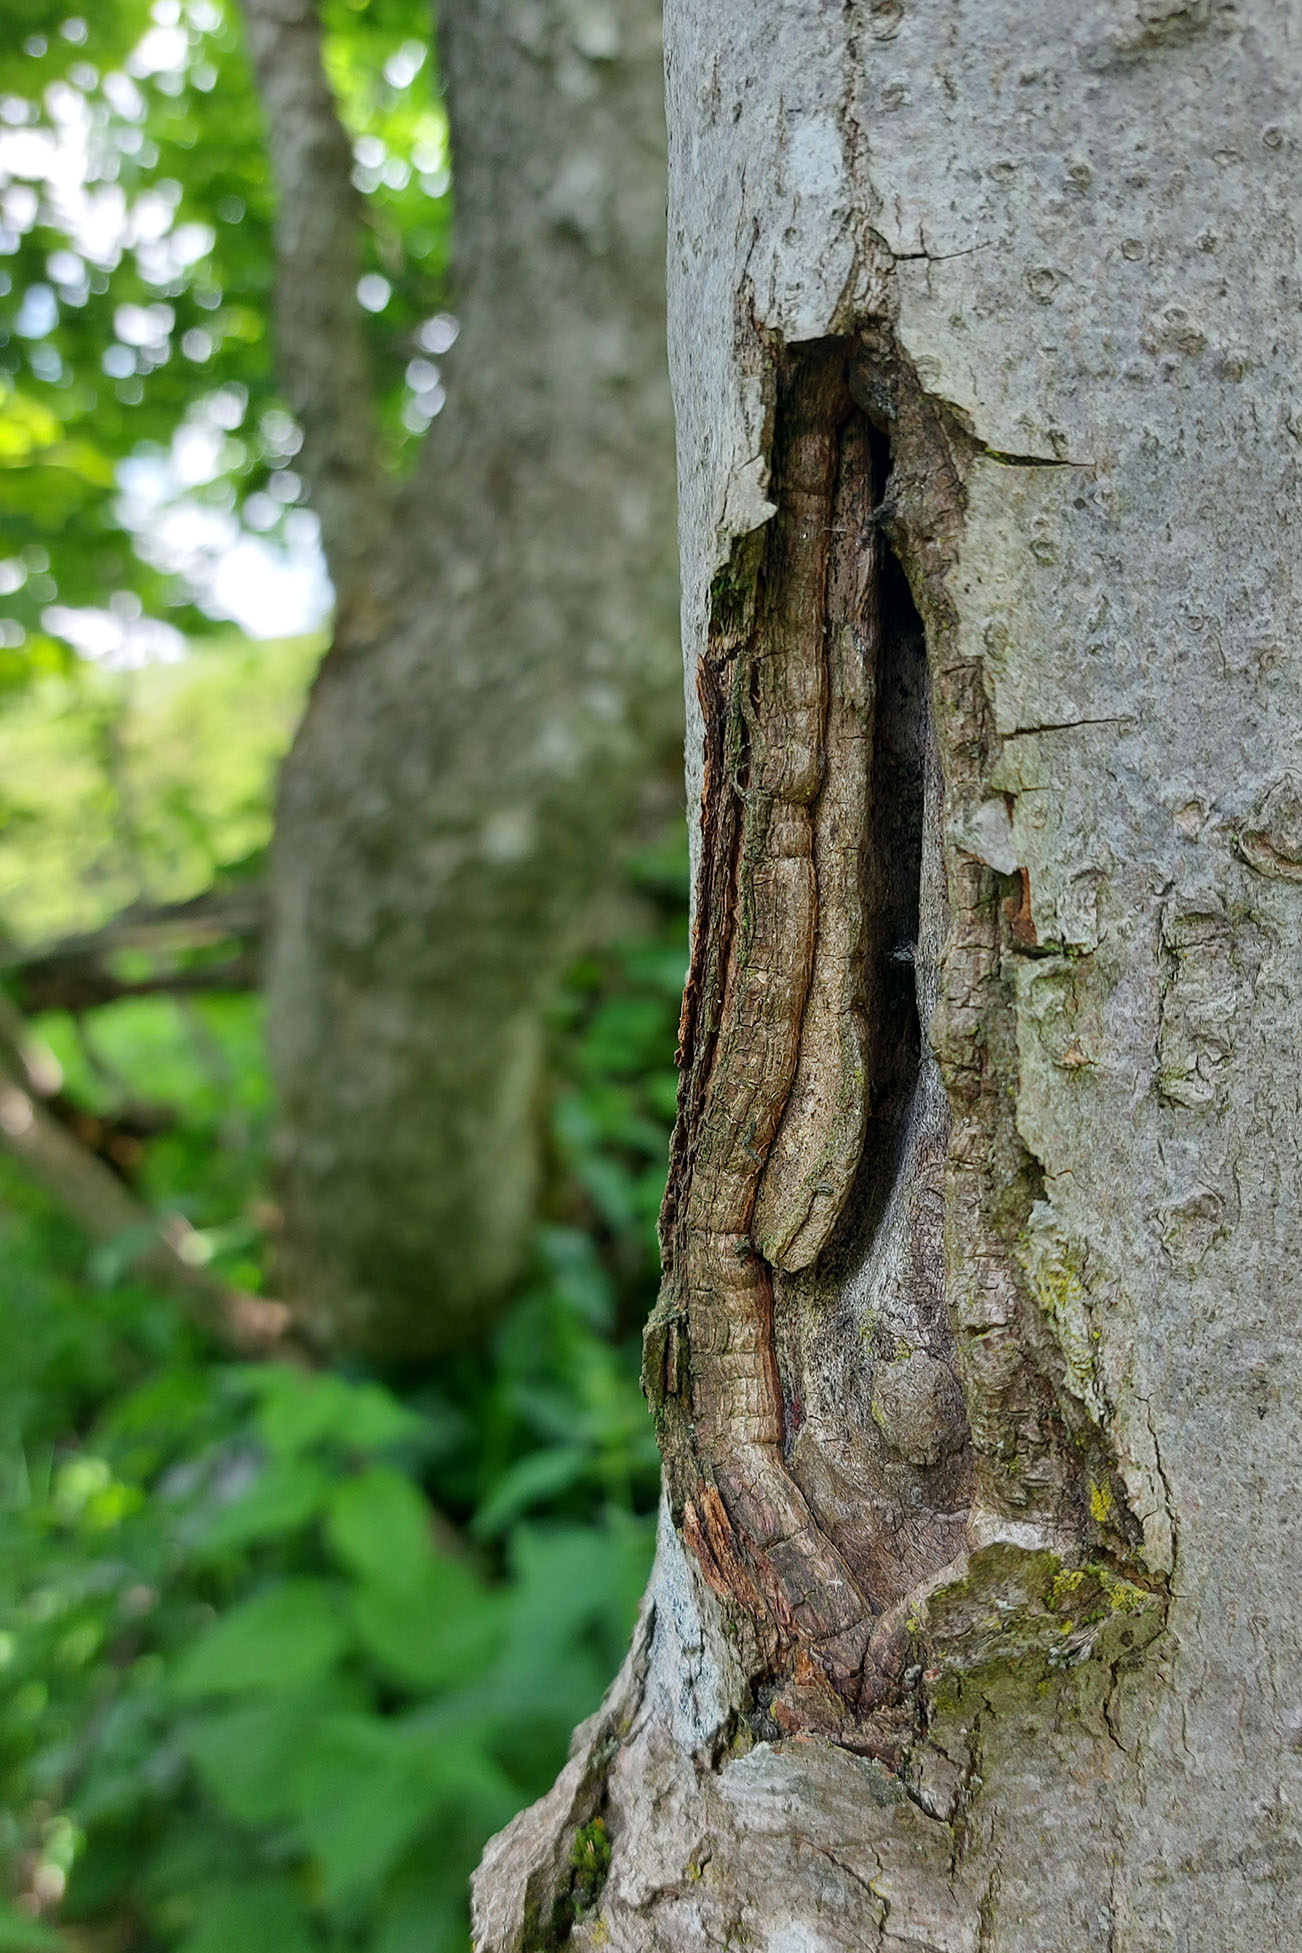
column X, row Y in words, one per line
column 281, row 1646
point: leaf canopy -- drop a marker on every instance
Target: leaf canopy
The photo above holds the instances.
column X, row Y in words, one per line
column 136, row 278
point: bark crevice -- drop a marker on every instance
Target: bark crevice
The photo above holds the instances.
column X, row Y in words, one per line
column 812, row 1122
column 899, row 1587
column 869, row 1408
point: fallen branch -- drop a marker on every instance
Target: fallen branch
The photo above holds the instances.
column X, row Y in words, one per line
column 168, row 1250
column 77, row 973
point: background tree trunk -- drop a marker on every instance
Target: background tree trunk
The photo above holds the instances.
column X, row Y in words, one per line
column 973, row 1626
column 504, row 672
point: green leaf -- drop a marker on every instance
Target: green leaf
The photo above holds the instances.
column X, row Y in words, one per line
column 573, row 1600
column 366, row 1786
column 378, row 1525
column 607, row 1185
column 445, row 1628
column 530, row 1481
column 374, row 1420
column 360, row 1798
column 298, row 1412
column 245, row 1756
column 431, row 1920
column 282, row 1499
column 577, row 1269
column 285, row 1637
column 194, row 1853
column 264, row 1916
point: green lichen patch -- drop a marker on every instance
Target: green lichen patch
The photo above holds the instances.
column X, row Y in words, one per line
column 1025, row 1614
column 1058, row 1284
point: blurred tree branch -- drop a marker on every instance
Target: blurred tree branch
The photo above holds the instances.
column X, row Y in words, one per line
column 77, row 972
column 167, row 1250
column 322, row 352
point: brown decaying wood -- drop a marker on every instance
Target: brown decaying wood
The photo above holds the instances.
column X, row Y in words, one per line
column 779, row 1021
column 808, row 1096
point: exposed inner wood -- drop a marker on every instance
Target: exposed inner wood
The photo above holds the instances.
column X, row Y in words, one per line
column 811, row 1127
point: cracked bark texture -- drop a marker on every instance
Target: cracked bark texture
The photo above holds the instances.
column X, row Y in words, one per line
column 504, row 675
column 1035, row 1392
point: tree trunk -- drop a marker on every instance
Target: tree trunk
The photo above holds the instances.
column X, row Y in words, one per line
column 504, row 672
column 973, row 1626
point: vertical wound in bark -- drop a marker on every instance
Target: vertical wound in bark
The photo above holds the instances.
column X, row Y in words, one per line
column 801, row 1039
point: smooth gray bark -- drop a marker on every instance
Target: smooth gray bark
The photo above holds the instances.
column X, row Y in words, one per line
column 503, row 680
column 1066, row 237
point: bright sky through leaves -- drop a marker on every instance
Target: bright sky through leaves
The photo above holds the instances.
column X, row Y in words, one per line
column 147, row 479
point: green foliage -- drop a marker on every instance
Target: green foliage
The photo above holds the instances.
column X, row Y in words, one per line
column 238, row 1633
column 590, row 1862
column 118, row 783
column 279, row 1648
column 136, row 277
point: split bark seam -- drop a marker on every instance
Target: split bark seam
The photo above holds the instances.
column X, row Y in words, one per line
column 790, row 985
